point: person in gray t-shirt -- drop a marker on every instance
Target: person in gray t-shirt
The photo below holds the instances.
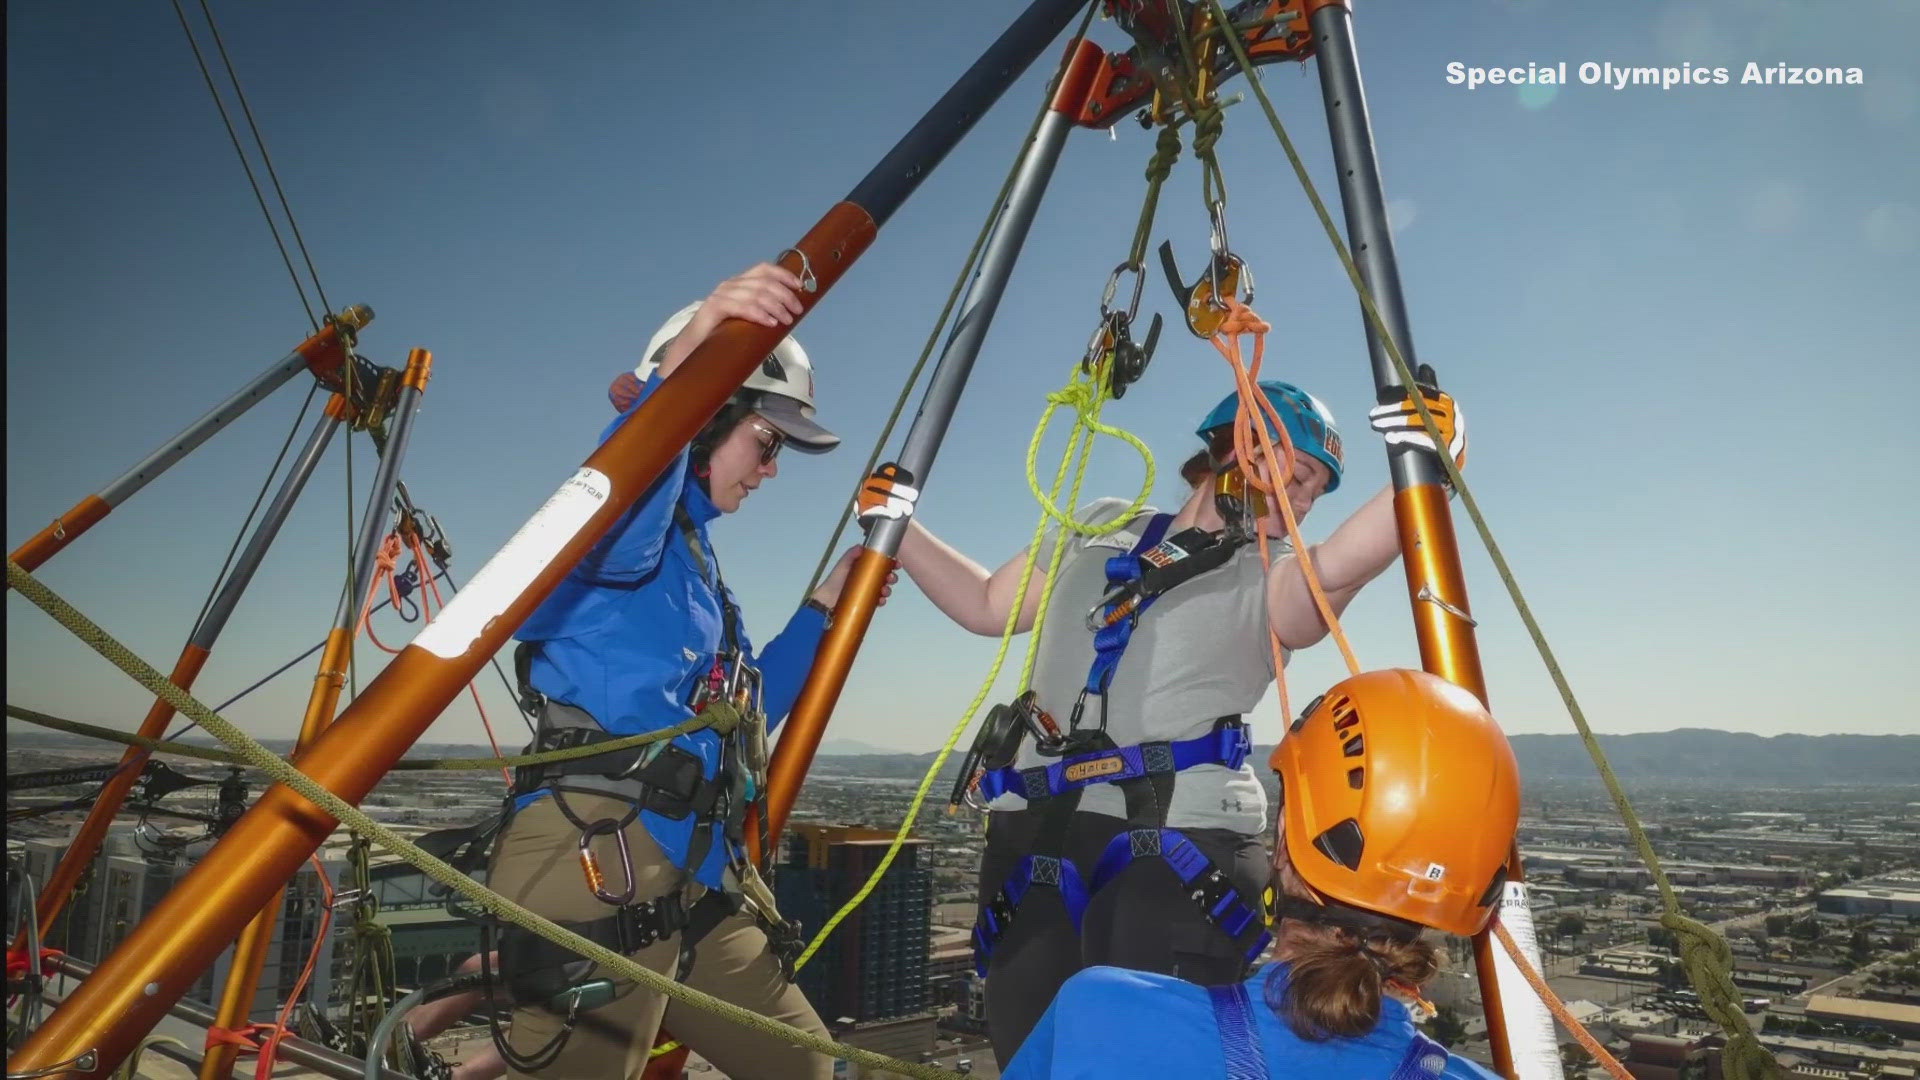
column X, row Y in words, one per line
column 1197, row 660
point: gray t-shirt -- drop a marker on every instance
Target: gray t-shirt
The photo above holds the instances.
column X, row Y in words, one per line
column 1199, row 653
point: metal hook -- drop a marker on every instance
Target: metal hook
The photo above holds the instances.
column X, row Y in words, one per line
column 808, row 282
column 1427, row 594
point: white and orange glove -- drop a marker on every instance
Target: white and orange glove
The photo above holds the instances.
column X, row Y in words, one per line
column 1399, row 423
column 888, row 493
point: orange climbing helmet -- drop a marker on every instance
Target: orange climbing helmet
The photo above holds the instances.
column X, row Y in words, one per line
column 1400, row 796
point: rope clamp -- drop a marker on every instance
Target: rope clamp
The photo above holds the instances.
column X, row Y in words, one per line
column 590, row 866
column 808, row 282
column 1426, row 593
column 1224, row 276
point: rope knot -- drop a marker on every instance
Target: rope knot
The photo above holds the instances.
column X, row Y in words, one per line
column 1709, row 967
column 1166, row 151
column 1209, row 121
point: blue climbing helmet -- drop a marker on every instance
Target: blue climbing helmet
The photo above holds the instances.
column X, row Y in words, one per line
column 1309, row 424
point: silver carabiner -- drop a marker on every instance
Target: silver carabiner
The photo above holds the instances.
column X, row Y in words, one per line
column 1113, row 288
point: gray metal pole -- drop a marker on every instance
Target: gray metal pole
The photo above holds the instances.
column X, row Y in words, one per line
column 203, row 429
column 1520, row 1029
column 215, row 620
column 1365, row 201
column 380, row 500
column 976, row 314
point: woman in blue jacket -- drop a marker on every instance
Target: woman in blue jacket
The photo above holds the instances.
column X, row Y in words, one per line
column 643, row 849
column 1399, row 798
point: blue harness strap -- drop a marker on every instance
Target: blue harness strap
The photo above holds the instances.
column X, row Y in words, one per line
column 1239, row 1032
column 1424, row 1060
column 1055, row 871
column 1118, row 616
column 1207, row 885
column 1227, row 744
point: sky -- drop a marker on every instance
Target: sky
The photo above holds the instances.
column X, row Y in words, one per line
column 1674, row 319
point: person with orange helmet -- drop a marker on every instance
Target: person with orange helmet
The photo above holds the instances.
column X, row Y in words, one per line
column 1399, row 797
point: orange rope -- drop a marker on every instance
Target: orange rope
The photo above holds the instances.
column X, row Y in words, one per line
column 432, row 584
column 383, row 568
column 1557, row 1008
column 242, row 1038
column 264, row 1071
column 1241, row 319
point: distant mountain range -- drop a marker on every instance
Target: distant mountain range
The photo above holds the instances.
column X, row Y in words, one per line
column 1689, row 754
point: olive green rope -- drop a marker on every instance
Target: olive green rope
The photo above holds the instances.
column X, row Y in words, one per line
column 493, row 903
column 718, row 715
column 1704, row 953
column 946, row 310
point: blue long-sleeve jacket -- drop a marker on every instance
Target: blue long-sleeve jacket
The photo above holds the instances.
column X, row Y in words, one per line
column 625, row 636
column 1108, row 1022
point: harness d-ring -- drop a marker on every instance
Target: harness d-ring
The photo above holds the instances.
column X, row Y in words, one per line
column 808, row 283
column 589, row 865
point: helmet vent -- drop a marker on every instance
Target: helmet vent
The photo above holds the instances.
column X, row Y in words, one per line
column 1343, row 843
column 1356, row 778
column 1344, row 715
column 1355, row 746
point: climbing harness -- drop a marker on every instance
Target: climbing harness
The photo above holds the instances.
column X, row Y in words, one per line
column 662, row 778
column 1144, row 773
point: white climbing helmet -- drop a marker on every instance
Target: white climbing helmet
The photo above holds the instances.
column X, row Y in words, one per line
column 780, row 390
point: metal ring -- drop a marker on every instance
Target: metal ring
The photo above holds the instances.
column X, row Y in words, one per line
column 808, row 282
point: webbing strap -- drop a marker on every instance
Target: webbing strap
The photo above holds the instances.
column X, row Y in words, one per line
column 1424, row 1060
column 1228, row 744
column 1239, row 1033
column 1207, row 885
column 1053, row 871
column 1110, row 641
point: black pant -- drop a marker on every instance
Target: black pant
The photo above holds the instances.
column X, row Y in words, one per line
column 1143, row 919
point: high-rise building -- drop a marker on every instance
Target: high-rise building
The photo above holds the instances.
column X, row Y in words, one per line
column 874, row 966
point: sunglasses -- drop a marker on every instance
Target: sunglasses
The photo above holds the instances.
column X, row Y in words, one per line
column 769, row 445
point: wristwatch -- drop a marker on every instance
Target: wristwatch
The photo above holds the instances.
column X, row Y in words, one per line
column 825, row 611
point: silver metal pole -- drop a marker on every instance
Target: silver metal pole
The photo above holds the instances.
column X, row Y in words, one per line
column 379, row 504
column 215, row 620
column 202, row 429
column 976, row 314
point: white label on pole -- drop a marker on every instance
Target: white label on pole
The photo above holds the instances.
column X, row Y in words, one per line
column 513, row 567
column 1530, row 1032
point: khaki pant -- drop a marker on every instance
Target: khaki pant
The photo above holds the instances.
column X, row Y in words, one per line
column 536, row 864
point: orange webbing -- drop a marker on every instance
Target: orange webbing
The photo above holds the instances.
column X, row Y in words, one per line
column 264, row 1071
column 1559, row 1010
column 242, row 1038
column 1241, row 319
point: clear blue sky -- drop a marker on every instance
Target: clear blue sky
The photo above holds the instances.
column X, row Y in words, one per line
column 1681, row 322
